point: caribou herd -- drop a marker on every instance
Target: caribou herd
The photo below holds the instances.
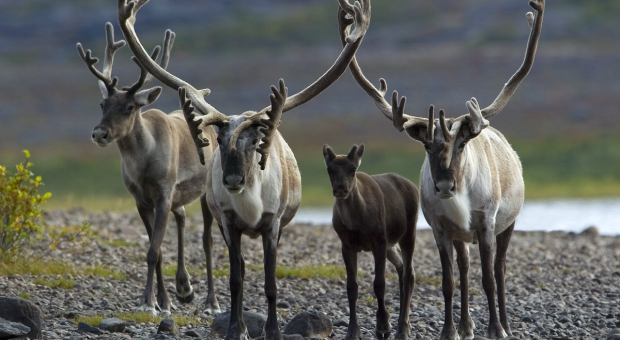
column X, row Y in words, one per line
column 247, row 179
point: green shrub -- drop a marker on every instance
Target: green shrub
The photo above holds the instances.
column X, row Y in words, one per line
column 19, row 208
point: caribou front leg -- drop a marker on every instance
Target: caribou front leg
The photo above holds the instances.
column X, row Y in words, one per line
column 486, row 238
column 444, row 244
column 500, row 271
column 211, row 305
column 466, row 325
column 270, row 248
column 236, row 327
column 185, row 291
column 350, row 261
column 154, row 261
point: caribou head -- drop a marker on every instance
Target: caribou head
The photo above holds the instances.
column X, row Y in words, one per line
column 121, row 107
column 238, row 136
column 341, row 169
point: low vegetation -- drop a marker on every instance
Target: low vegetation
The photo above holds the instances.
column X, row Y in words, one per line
column 55, row 283
column 26, row 266
column 138, row 317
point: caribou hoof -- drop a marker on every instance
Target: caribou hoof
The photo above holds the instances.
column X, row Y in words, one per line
column 148, row 309
column 212, row 311
column 165, row 313
column 382, row 335
column 186, row 299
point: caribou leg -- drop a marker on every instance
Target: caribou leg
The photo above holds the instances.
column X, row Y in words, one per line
column 211, row 305
column 382, row 329
column 185, row 291
column 486, row 238
column 407, row 246
column 236, row 327
column 350, row 261
column 466, row 325
column 147, row 215
column 270, row 249
column 444, row 244
column 500, row 269
column 394, row 256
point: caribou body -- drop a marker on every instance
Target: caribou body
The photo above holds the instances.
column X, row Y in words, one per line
column 471, row 188
column 159, row 167
column 246, row 196
column 375, row 213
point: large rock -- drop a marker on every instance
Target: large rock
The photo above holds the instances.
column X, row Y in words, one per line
column 113, row 325
column 312, row 324
column 24, row 312
column 254, row 322
column 86, row 328
column 12, row 330
column 168, row 326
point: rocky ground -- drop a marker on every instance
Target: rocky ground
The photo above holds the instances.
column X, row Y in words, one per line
column 559, row 285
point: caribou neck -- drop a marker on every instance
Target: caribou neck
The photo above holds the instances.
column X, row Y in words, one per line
column 353, row 206
column 139, row 141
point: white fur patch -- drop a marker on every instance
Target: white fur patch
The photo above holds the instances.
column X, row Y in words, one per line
column 458, row 210
column 248, row 205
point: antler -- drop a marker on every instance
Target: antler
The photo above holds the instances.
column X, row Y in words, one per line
column 535, row 22
column 269, row 126
column 126, row 19
column 145, row 76
column 394, row 112
column 194, row 123
column 361, row 12
column 106, row 83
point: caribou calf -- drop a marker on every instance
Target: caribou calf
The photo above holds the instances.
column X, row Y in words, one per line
column 374, row 213
column 160, row 168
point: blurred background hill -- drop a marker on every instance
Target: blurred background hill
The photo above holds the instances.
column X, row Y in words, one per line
column 562, row 120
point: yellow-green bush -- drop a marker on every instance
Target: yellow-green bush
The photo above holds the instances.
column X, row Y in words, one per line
column 19, row 207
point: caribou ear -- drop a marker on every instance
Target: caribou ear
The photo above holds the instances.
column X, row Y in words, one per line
column 355, row 155
column 418, row 131
column 328, row 153
column 148, row 97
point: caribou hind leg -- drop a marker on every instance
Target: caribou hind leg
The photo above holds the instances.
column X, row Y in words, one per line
column 486, row 238
column 500, row 270
column 211, row 304
column 382, row 330
column 407, row 246
column 350, row 262
column 185, row 292
column 466, row 325
column 270, row 248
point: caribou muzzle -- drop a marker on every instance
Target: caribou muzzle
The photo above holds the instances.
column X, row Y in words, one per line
column 340, row 191
column 445, row 185
column 101, row 136
column 234, row 182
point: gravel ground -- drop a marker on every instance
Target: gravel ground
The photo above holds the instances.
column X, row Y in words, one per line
column 559, row 285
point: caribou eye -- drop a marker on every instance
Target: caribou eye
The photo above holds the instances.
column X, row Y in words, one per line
column 462, row 144
column 254, row 141
column 329, row 172
column 130, row 108
column 101, row 105
column 352, row 172
column 219, row 141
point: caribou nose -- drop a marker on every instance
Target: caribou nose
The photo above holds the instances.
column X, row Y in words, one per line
column 100, row 134
column 340, row 192
column 445, row 189
column 234, row 181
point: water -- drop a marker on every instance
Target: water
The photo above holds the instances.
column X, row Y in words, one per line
column 565, row 215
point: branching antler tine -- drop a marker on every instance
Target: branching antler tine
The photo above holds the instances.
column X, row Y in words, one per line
column 398, row 111
column 444, row 126
column 145, row 76
column 110, row 49
column 269, row 126
column 338, row 68
column 347, row 7
column 529, row 16
column 168, row 42
column 362, row 20
column 431, row 124
column 512, row 84
column 194, row 129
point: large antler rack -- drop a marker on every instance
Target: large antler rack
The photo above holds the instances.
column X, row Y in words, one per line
column 145, row 76
column 107, row 84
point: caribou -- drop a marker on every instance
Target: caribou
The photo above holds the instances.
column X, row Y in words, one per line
column 159, row 167
column 248, row 197
column 375, row 213
column 471, row 187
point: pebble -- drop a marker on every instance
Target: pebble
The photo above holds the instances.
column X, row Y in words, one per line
column 168, row 326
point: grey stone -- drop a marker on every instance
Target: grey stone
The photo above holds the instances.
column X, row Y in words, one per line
column 341, row 323
column 24, row 312
column 283, row 304
column 86, row 328
column 292, row 337
column 11, row 330
column 253, row 321
column 590, row 231
column 131, row 330
column 113, row 325
column 168, row 325
column 312, row 324
column 193, row 334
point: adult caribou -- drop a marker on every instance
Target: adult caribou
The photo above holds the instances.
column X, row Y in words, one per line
column 159, row 166
column 471, row 187
column 246, row 196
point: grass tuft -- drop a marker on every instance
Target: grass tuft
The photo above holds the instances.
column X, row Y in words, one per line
column 59, row 283
column 24, row 295
column 144, row 317
column 428, row 280
column 92, row 320
column 370, row 299
column 171, row 270
column 120, row 243
column 24, row 266
column 104, row 272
